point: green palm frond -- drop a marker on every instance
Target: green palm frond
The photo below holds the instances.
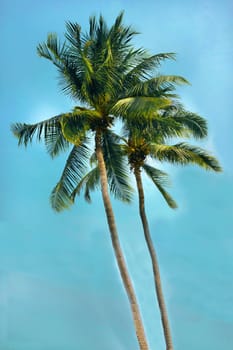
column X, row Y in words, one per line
column 195, row 124
column 158, row 86
column 71, row 82
column 183, row 153
column 116, row 167
column 139, row 106
column 53, row 50
column 111, row 54
column 155, row 128
column 73, row 34
column 75, row 168
column 163, row 128
column 120, row 35
column 76, row 124
column 145, row 66
column 55, row 141
column 49, row 131
column 170, row 122
column 160, row 179
column 70, row 70
column 73, row 65
column 88, row 183
column 92, row 26
column 116, row 171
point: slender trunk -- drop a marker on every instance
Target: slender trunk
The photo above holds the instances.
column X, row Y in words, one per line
column 155, row 265
column 117, row 248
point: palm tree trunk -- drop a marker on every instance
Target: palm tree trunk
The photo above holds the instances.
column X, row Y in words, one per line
column 117, row 248
column 155, row 265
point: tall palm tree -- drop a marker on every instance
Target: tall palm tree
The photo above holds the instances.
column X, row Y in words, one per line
column 102, row 71
column 149, row 140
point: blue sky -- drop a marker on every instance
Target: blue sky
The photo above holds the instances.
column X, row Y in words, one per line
column 59, row 285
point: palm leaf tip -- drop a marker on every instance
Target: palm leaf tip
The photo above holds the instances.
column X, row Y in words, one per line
column 173, row 205
column 214, row 164
column 48, row 130
column 170, row 201
column 23, row 132
column 160, row 179
column 59, row 199
column 15, row 129
column 201, row 157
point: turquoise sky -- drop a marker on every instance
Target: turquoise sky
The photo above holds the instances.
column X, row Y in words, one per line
column 59, row 285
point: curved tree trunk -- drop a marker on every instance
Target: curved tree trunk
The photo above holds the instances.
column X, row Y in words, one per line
column 117, row 248
column 155, row 265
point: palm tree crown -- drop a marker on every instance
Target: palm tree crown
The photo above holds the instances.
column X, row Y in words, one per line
column 102, row 70
column 146, row 139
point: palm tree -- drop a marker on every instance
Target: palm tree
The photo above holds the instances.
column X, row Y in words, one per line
column 103, row 71
column 149, row 140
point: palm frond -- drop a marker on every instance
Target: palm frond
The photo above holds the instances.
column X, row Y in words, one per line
column 195, row 124
column 160, row 179
column 75, row 125
column 158, row 86
column 75, row 168
column 72, row 62
column 88, row 183
column 115, row 164
column 53, row 50
column 120, row 36
column 183, row 153
column 116, row 167
column 155, row 128
column 73, row 34
column 49, row 131
column 139, row 106
column 145, row 66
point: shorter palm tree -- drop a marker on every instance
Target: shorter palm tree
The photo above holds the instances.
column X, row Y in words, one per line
column 148, row 139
